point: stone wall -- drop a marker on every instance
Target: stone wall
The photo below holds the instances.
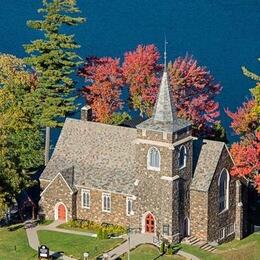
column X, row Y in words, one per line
column 185, row 175
column 57, row 192
column 206, row 220
column 166, row 199
column 218, row 220
column 117, row 215
column 199, row 214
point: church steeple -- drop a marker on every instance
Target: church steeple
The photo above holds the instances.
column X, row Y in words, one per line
column 164, row 109
column 164, row 117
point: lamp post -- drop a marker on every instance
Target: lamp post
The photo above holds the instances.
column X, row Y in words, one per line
column 86, row 255
column 129, row 233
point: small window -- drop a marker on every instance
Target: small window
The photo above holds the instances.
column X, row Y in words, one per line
column 166, row 230
column 182, row 157
column 223, row 184
column 129, row 206
column 153, row 159
column 85, row 197
column 106, row 202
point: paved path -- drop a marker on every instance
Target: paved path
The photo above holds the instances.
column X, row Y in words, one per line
column 135, row 240
column 34, row 242
column 138, row 239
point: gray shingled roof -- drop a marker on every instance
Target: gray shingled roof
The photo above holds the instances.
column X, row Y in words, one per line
column 164, row 109
column 206, row 156
column 68, row 175
column 164, row 116
column 102, row 155
column 172, row 127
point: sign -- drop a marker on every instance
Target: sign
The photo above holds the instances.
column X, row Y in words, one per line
column 43, row 252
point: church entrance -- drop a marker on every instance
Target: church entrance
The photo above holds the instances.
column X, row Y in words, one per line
column 61, row 212
column 149, row 223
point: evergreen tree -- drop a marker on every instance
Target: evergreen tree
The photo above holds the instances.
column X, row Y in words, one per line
column 54, row 59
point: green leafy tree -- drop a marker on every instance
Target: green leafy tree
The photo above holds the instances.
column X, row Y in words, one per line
column 54, row 59
column 20, row 139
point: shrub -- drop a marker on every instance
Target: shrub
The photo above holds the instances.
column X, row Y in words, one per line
column 172, row 249
column 104, row 230
column 162, row 247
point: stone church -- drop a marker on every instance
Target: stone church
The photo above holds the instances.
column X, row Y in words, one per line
column 153, row 176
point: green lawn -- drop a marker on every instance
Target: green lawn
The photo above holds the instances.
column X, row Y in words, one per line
column 14, row 245
column 76, row 245
column 246, row 249
column 148, row 252
column 45, row 222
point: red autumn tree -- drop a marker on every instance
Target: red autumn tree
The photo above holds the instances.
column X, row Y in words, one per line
column 244, row 120
column 194, row 87
column 104, row 76
column 194, row 91
column 246, row 156
column 246, row 123
column 140, row 69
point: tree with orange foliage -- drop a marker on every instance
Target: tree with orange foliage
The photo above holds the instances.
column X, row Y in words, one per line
column 246, row 123
column 246, row 156
column 243, row 120
column 104, row 76
column 141, row 69
column 194, row 90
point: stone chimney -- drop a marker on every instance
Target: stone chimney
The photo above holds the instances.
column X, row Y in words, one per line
column 86, row 113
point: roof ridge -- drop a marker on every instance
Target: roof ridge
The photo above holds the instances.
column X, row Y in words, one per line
column 99, row 123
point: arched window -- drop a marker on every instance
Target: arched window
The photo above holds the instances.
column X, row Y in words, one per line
column 182, row 157
column 223, row 184
column 153, row 159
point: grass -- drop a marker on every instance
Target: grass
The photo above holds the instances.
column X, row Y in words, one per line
column 203, row 255
column 148, row 252
column 76, row 245
column 45, row 222
column 245, row 249
column 14, row 245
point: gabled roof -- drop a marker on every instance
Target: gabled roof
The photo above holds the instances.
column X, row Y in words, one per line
column 101, row 155
column 164, row 116
column 68, row 175
column 206, row 155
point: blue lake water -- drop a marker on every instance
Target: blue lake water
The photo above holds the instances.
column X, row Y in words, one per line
column 222, row 35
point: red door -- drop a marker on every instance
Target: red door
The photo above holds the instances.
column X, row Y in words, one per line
column 149, row 223
column 61, row 212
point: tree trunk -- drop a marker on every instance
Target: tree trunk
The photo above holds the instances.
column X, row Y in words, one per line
column 47, row 144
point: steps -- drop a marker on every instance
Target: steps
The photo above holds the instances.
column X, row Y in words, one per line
column 194, row 241
column 208, row 247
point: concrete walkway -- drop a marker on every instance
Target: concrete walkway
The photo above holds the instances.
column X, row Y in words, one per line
column 139, row 239
column 34, row 242
column 135, row 240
